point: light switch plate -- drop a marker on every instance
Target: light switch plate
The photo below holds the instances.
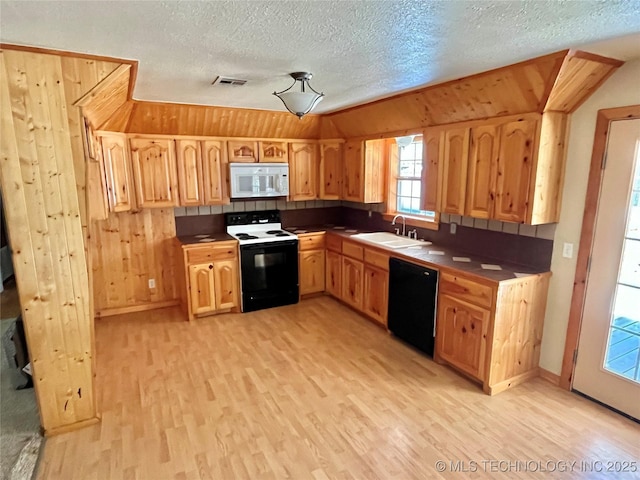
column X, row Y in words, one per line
column 567, row 250
column 152, row 283
column 453, row 227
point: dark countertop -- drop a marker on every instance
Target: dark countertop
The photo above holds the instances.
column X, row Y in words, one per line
column 205, row 239
column 430, row 256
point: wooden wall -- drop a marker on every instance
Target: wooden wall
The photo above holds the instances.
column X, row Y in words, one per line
column 128, row 250
column 42, row 179
column 179, row 119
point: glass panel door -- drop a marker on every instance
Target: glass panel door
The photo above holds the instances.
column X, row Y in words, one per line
column 623, row 346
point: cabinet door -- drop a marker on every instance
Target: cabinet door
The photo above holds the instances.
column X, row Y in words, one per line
column 353, row 172
column 454, row 180
column 189, row 163
column 274, row 152
column 154, row 172
column 226, row 283
column 303, row 167
column 461, row 335
column 432, row 166
column 333, row 277
column 202, row 288
column 352, row 285
column 214, row 175
column 117, row 171
column 374, row 171
column 330, row 171
column 376, row 293
column 515, row 163
column 311, row 271
column 483, row 162
column 241, row 151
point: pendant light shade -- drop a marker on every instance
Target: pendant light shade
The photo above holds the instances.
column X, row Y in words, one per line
column 300, row 102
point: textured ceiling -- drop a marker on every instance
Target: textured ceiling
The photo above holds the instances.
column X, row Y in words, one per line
column 357, row 50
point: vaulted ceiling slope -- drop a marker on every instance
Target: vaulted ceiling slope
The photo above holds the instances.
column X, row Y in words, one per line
column 557, row 82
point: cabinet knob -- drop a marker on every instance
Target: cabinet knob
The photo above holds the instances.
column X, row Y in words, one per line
column 211, row 267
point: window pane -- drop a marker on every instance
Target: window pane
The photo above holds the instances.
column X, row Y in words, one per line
column 406, row 169
column 630, row 270
column 404, row 188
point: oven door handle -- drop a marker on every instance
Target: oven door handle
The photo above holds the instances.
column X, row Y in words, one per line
column 269, row 245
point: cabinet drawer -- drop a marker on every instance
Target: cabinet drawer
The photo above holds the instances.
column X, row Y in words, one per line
column 377, row 259
column 352, row 250
column 464, row 289
column 311, row 242
column 209, row 254
column 334, row 243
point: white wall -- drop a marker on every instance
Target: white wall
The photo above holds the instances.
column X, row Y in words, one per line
column 621, row 89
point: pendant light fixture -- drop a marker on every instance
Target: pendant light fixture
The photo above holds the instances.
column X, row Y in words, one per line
column 300, row 102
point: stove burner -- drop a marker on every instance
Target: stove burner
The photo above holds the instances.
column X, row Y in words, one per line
column 245, row 236
column 282, row 234
column 274, row 232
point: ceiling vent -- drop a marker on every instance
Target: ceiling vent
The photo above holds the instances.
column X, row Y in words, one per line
column 236, row 82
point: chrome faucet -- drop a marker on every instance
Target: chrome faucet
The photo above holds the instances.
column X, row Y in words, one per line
column 404, row 224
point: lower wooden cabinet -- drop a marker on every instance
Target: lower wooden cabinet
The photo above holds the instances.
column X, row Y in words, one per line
column 490, row 330
column 376, row 293
column 462, row 335
column 311, row 262
column 210, row 282
column 311, row 276
column 352, row 282
column 333, row 275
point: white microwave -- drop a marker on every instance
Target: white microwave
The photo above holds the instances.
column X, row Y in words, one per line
column 259, row 180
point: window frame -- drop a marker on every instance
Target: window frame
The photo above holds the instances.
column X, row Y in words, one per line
column 392, row 188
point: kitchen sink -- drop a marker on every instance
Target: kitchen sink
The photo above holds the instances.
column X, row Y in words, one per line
column 389, row 240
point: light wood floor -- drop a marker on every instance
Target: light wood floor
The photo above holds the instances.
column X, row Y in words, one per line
column 311, row 391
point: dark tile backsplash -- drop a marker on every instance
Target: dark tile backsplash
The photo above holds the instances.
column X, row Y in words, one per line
column 529, row 251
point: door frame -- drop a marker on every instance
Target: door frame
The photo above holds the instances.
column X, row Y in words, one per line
column 603, row 122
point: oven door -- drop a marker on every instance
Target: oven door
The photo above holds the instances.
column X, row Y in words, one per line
column 269, row 274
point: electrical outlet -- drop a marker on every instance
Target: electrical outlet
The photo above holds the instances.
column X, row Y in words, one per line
column 567, row 250
column 152, row 283
column 370, row 213
column 453, row 227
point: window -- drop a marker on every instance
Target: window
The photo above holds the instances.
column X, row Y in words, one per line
column 405, row 182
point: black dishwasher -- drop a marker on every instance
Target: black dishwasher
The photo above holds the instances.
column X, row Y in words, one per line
column 412, row 303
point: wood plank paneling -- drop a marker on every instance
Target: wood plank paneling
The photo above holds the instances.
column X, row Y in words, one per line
column 581, row 74
column 517, row 329
column 515, row 89
column 104, row 99
column 546, row 188
column 44, row 225
column 200, row 120
column 130, row 249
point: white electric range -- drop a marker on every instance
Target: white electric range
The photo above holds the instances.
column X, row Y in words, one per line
column 268, row 259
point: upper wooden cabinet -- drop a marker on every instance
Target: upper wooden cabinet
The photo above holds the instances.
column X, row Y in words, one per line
column 201, row 172
column 364, row 171
column 303, row 168
column 455, row 158
column 431, row 169
column 243, row 151
column 214, row 172
column 273, row 152
column 481, row 178
column 190, row 176
column 330, row 182
column 515, row 166
column 117, row 170
column 509, row 170
column 154, row 172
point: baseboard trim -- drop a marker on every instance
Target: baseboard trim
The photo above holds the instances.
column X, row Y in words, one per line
column 70, row 428
column 550, row 377
column 109, row 312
